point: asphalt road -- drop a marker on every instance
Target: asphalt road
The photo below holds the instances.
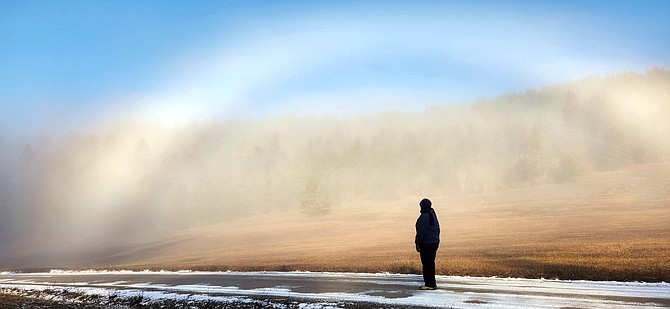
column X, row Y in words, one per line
column 458, row 292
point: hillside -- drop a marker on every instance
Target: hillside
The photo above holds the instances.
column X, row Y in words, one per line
column 522, row 176
column 605, row 226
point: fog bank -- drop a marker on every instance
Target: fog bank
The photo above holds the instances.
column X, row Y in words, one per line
column 135, row 180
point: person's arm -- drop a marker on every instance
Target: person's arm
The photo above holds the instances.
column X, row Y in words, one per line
column 421, row 230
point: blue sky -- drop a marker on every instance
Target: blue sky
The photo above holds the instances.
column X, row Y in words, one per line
column 69, row 65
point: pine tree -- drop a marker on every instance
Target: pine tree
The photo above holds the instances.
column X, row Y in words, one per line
column 314, row 202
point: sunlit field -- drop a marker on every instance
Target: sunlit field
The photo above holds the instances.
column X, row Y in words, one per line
column 609, row 226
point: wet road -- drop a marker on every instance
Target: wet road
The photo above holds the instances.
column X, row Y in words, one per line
column 457, row 292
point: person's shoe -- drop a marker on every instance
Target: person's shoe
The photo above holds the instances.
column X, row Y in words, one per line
column 425, row 287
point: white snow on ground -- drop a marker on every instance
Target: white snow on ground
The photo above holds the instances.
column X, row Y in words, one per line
column 127, row 293
column 457, row 292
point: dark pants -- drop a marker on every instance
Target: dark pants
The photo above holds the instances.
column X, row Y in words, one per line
column 428, row 252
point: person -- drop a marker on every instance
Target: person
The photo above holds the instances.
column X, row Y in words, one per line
column 427, row 241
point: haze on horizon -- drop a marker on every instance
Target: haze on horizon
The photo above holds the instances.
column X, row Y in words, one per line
column 79, row 199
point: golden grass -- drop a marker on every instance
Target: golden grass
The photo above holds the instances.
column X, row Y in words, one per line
column 610, row 226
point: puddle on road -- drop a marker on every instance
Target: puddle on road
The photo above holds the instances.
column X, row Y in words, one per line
column 475, row 301
column 388, row 294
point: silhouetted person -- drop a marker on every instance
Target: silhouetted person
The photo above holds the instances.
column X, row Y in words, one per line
column 427, row 241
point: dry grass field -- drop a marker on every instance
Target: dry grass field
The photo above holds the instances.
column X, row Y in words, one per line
column 604, row 226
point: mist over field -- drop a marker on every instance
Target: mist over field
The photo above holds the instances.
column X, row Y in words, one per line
column 63, row 198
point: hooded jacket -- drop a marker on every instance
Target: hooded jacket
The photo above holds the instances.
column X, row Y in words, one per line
column 427, row 227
